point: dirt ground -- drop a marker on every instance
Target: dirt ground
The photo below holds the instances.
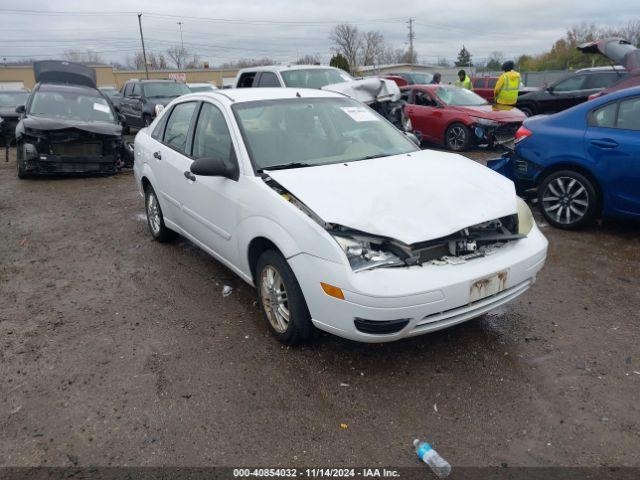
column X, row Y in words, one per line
column 117, row 350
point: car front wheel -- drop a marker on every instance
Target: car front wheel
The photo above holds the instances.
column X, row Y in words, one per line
column 568, row 199
column 22, row 171
column 281, row 300
column 457, row 137
column 155, row 219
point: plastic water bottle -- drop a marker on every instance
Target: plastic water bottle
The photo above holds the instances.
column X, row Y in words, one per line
column 428, row 455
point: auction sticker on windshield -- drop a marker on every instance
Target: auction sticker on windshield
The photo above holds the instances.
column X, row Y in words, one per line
column 360, row 114
column 101, row 108
column 488, row 286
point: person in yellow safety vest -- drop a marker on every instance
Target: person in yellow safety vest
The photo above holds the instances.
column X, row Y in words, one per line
column 463, row 81
column 507, row 86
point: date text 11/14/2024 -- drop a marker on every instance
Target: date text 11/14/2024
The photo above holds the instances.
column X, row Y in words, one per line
column 315, row 472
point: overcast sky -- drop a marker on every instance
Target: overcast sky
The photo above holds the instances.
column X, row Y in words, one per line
column 222, row 31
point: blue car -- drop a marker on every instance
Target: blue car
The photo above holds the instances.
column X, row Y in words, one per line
column 581, row 163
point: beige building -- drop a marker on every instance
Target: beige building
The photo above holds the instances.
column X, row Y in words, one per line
column 106, row 75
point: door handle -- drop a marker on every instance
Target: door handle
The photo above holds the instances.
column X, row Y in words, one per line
column 604, row 143
column 157, row 155
column 189, row 176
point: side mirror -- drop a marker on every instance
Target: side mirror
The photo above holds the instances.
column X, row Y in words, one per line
column 213, row 167
column 550, row 89
column 21, row 109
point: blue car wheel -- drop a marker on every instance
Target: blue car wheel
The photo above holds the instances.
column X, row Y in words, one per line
column 568, row 199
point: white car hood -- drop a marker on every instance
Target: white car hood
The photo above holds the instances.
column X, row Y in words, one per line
column 411, row 197
column 368, row 90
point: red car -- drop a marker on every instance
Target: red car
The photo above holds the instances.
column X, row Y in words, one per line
column 458, row 118
column 484, row 86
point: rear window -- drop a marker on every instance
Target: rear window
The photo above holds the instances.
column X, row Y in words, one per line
column 165, row 89
column 314, row 77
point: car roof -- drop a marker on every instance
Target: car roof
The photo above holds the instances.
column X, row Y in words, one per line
column 281, row 68
column 601, row 69
column 242, row 95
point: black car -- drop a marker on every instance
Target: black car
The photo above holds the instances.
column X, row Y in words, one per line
column 112, row 94
column 9, row 101
column 142, row 100
column 569, row 91
column 68, row 125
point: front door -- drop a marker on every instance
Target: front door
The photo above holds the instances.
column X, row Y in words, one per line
column 613, row 144
column 210, row 205
column 426, row 116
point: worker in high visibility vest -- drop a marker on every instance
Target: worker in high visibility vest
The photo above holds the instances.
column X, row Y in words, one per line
column 463, row 80
column 507, row 86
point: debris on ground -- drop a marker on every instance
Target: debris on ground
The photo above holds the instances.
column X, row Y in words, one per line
column 428, row 455
column 226, row 290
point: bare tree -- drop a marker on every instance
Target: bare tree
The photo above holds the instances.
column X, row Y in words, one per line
column 630, row 31
column 249, row 62
column 178, row 55
column 390, row 55
column 308, row 60
column 347, row 41
column 372, row 47
column 88, row 56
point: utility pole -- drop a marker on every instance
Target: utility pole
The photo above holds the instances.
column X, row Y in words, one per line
column 181, row 41
column 144, row 52
column 412, row 36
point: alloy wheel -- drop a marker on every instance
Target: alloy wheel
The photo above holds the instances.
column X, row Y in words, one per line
column 457, row 137
column 566, row 200
column 153, row 213
column 275, row 302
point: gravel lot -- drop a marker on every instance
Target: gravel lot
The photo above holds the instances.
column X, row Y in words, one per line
column 119, row 350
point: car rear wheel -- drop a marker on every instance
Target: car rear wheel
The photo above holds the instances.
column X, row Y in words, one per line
column 568, row 200
column 457, row 137
column 155, row 219
column 281, row 301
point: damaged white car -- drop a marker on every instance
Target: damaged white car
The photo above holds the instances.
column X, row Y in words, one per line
column 334, row 215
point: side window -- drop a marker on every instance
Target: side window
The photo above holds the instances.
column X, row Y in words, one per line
column 570, row 84
column 629, row 114
column 492, row 82
column 159, row 130
column 127, row 89
column 604, row 116
column 406, row 95
column 175, row 136
column 478, row 83
column 268, row 79
column 246, row 80
column 424, row 99
column 602, row 80
column 137, row 90
column 212, row 138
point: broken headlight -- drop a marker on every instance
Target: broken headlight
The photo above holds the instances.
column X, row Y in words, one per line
column 485, row 122
column 525, row 217
column 363, row 255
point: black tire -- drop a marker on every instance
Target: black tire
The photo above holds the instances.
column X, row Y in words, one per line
column 299, row 328
column 457, row 137
column 22, row 171
column 527, row 110
column 155, row 219
column 568, row 200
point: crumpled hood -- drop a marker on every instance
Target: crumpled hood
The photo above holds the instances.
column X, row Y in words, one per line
column 48, row 124
column 410, row 197
column 494, row 112
column 368, row 90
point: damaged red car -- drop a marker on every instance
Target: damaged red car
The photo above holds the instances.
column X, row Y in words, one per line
column 457, row 118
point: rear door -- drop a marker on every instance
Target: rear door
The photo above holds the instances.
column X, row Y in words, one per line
column 170, row 161
column 135, row 105
column 125, row 101
column 613, row 145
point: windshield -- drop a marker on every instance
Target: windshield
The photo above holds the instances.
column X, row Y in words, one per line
column 422, row 78
column 459, row 97
column 110, row 92
column 13, row 99
column 165, row 89
column 316, row 131
column 314, row 77
column 71, row 105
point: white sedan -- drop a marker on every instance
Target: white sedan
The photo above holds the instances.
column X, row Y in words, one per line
column 336, row 217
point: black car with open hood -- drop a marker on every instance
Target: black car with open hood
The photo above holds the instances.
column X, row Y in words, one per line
column 68, row 125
